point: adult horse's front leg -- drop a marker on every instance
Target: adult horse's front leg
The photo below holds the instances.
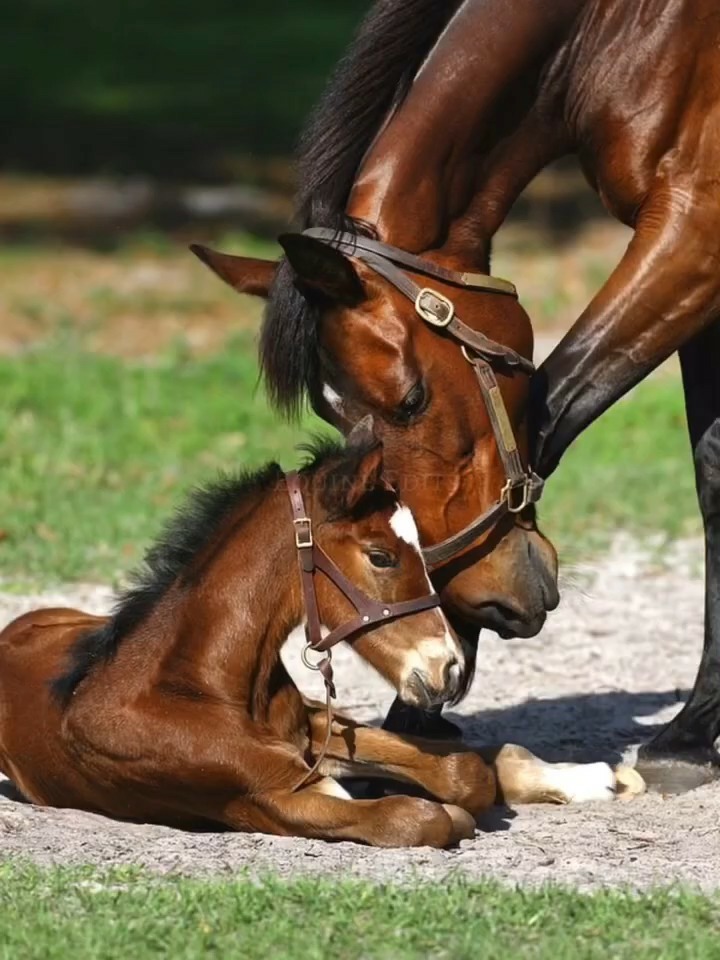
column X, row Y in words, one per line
column 662, row 297
column 683, row 755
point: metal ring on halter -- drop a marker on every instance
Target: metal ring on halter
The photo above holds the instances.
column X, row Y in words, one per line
column 465, row 352
column 327, row 655
column 507, row 493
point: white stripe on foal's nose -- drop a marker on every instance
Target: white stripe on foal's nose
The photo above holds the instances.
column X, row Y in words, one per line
column 403, row 525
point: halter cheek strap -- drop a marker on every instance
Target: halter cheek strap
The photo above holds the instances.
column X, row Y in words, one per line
column 522, row 487
column 369, row 611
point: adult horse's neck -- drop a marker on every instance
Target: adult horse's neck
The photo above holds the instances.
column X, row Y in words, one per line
column 488, row 74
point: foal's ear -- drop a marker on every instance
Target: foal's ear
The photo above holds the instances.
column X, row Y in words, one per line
column 323, row 269
column 244, row 274
column 368, row 469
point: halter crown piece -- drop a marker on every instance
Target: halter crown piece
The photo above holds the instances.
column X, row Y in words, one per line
column 522, row 487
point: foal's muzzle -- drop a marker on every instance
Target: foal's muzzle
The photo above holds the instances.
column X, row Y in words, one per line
column 435, row 684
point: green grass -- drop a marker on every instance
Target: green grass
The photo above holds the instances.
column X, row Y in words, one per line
column 168, row 88
column 95, row 453
column 631, row 470
column 61, row 914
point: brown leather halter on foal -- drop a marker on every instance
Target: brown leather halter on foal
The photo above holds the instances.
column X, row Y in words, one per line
column 370, row 612
column 522, row 486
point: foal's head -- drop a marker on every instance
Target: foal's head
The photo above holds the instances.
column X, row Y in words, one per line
column 371, row 536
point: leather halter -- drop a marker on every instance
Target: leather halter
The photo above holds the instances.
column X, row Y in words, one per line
column 522, row 487
column 369, row 612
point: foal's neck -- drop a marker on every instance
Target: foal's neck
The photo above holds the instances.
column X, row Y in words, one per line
column 421, row 181
column 242, row 601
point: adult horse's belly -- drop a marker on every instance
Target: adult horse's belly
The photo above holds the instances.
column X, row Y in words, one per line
column 34, row 650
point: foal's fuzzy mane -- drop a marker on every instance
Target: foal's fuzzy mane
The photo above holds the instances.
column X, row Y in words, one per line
column 372, row 79
column 193, row 525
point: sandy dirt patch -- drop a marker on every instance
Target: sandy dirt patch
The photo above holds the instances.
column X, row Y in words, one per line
column 612, row 664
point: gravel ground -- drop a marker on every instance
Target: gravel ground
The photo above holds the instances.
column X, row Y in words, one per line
column 612, row 664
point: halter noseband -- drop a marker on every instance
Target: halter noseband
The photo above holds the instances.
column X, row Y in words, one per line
column 369, row 612
column 522, row 487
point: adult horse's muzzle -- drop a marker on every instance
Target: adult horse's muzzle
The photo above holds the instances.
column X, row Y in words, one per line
column 509, row 590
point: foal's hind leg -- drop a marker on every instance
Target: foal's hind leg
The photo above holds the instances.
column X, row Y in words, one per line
column 683, row 756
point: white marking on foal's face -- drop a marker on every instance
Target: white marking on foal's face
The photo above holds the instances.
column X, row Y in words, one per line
column 404, row 526
column 333, row 398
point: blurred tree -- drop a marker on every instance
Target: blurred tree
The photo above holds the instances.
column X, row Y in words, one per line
column 172, row 88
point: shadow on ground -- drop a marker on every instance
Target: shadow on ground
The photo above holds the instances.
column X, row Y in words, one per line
column 582, row 727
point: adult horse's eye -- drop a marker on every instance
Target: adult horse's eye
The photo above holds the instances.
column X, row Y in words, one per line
column 413, row 403
column 381, row 558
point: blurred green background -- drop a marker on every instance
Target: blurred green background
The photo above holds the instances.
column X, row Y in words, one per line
column 127, row 371
column 172, row 88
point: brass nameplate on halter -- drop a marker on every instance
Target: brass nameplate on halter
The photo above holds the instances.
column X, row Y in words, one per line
column 433, row 307
column 501, row 418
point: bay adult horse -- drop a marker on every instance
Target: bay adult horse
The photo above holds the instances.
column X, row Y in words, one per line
column 178, row 709
column 436, row 119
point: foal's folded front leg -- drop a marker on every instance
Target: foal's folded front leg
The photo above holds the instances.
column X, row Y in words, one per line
column 457, row 774
column 453, row 773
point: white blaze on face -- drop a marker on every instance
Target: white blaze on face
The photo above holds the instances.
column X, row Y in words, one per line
column 404, row 526
column 333, row 398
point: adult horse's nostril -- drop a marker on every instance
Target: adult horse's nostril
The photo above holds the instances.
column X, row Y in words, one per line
column 507, row 622
column 545, row 569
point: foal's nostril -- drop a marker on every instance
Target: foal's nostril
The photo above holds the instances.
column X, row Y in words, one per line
column 417, row 683
column 449, row 673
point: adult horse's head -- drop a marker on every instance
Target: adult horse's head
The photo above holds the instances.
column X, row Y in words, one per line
column 349, row 340
column 384, row 157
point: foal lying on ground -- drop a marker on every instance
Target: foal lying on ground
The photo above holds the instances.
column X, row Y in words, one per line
column 177, row 709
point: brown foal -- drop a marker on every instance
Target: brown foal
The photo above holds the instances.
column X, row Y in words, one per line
column 178, row 709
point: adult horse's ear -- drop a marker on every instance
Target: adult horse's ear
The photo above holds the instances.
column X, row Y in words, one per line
column 244, row 274
column 368, row 468
column 322, row 269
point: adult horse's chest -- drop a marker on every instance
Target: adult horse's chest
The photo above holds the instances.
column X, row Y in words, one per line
column 635, row 71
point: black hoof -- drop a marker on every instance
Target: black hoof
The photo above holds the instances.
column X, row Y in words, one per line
column 677, row 771
column 420, row 723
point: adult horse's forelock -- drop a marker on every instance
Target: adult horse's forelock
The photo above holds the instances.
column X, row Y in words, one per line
column 288, row 344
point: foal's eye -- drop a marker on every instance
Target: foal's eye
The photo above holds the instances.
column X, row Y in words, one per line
column 381, row 558
column 414, row 402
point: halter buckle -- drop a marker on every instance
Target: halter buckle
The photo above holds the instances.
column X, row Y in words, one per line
column 434, row 308
column 303, row 533
column 509, row 489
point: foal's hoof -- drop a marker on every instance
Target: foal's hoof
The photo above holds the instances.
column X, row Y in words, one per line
column 677, row 771
column 628, row 783
column 463, row 823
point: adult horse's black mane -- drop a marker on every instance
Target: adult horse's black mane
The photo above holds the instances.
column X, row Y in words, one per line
column 373, row 77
